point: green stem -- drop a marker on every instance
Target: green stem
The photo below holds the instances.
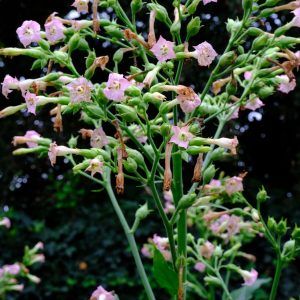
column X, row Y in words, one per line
column 279, row 267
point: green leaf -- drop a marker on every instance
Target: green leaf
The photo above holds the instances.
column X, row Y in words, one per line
column 164, row 275
column 246, row 292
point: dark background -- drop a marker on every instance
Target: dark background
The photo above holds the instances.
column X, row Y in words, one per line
column 85, row 245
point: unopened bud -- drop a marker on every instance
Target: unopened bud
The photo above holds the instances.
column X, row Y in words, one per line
column 212, row 280
column 247, row 5
column 142, row 212
column 114, row 31
column 262, row 195
column 130, row 165
column 161, row 13
column 136, row 155
column 272, row 224
column 266, row 13
column 133, row 91
column 194, row 150
column 44, row 45
column 265, row 92
column 136, row 6
column 193, row 7
column 193, row 27
column 209, row 174
column 74, row 42
column 254, row 215
column 254, row 31
column 289, row 246
column 72, row 143
column 218, row 154
column 232, row 252
column 118, row 56
column 282, row 227
column 260, row 42
column 186, row 201
column 127, row 113
column 61, row 56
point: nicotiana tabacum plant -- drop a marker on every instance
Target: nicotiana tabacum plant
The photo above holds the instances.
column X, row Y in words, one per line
column 157, row 128
column 12, row 275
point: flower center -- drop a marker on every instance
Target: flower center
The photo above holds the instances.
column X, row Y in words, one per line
column 28, row 32
column 116, row 85
column 80, row 89
column 164, row 50
column 182, row 136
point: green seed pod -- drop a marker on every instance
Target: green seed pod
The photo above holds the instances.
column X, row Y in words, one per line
column 186, row 201
column 74, row 42
column 254, row 31
column 266, row 13
column 260, row 42
column 44, row 45
column 193, row 27
column 130, row 165
column 194, row 150
column 136, row 6
column 114, row 31
column 209, row 174
column 118, row 56
column 142, row 212
column 227, row 59
column 165, row 129
column 127, row 113
column 193, row 7
column 136, row 155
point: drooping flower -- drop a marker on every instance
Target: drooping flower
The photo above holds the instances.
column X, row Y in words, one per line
column 81, row 6
column 188, row 99
column 5, row 222
column 208, row 1
column 254, row 103
column 181, row 136
column 115, row 87
column 233, row 185
column 55, row 151
column 31, row 102
column 9, row 83
column 98, row 138
column 249, row 277
column 207, row 249
column 29, row 32
column 30, row 138
column 54, row 30
column 163, row 50
column 80, row 90
column 200, row 267
column 286, row 85
column 205, row 54
column 247, row 75
column 95, row 166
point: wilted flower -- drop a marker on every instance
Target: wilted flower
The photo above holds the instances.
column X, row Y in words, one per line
column 286, row 85
column 5, row 222
column 81, row 6
column 181, row 136
column 31, row 101
column 115, row 87
column 95, row 166
column 29, row 32
column 55, row 151
column 207, row 249
column 233, row 185
column 9, row 83
column 205, row 54
column 80, row 90
column 98, row 138
column 249, row 277
column 254, row 103
column 163, row 50
column 54, row 30
column 101, row 294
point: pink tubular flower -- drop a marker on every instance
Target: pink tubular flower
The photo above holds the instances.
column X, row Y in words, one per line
column 30, row 138
column 254, row 104
column 286, row 85
column 233, row 185
column 5, row 222
column 208, row 1
column 81, row 6
column 101, row 294
column 163, row 50
column 115, row 87
column 226, row 143
column 31, row 101
column 55, row 151
column 98, row 138
column 205, row 54
column 9, row 83
column 200, row 267
column 181, row 136
column 207, row 249
column 13, row 269
column 54, row 30
column 249, row 277
column 96, row 166
column 80, row 90
column 247, row 75
column 29, row 32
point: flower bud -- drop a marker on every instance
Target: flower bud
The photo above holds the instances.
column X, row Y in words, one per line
column 133, row 91
column 254, row 215
column 82, row 166
column 130, row 165
column 218, row 154
column 167, row 106
column 281, row 30
column 161, row 13
column 272, row 224
column 136, row 6
column 265, row 92
column 254, row 31
column 94, row 111
column 271, row 2
column 72, row 143
column 186, row 201
column 262, row 195
column 209, row 174
column 114, row 31
column 127, row 113
column 289, row 247
column 136, row 155
column 287, row 42
column 118, row 56
column 74, row 42
column 44, row 45
column 175, row 27
column 165, row 130
column 247, row 5
column 193, row 7
column 233, row 26
column 193, row 27
column 194, row 150
column 296, row 234
column 266, row 13
column 282, row 227
column 60, row 56
column 227, row 59
column 260, row 42
column 24, row 151
column 197, row 141
column 212, row 280
column 142, row 212
column 232, row 252
column 218, row 252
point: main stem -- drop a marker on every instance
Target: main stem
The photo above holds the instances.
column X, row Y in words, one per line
column 279, row 266
column 131, row 241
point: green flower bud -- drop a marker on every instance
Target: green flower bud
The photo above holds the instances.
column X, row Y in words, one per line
column 272, row 224
column 83, row 45
column 289, row 247
column 193, row 27
column 197, row 141
column 130, row 165
column 136, row 155
column 233, row 251
column 193, row 7
column 195, row 128
column 209, row 109
column 233, row 26
column 136, row 6
column 262, row 195
column 231, row 87
column 287, row 42
column 194, row 150
column 39, row 64
column 254, row 31
column 212, row 280
column 165, row 129
column 118, row 56
column 254, row 215
column 51, row 77
column 260, row 42
column 218, row 154
column 266, row 13
column 167, row 106
column 218, row 252
column 74, row 42
column 72, row 143
column 209, row 174
column 271, row 2
column 81, row 166
column 135, row 70
column 142, row 212
column 296, row 234
column 149, row 150
column 186, row 201
column 60, row 56
column 282, row 227
column 247, row 5
column 179, row 48
column 175, row 27
column 114, row 31
column 265, row 92
column 44, row 45
column 90, row 59
column 93, row 111
column 133, row 91
column 127, row 113
column 161, row 13
column 227, row 59
column 24, row 151
column 241, row 49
